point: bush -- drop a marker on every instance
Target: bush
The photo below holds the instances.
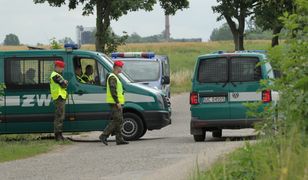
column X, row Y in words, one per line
column 283, row 152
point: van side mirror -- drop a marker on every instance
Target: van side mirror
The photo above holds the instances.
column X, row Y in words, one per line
column 166, row 80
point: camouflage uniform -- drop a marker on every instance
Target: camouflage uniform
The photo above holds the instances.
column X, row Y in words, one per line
column 59, row 115
column 59, row 108
column 115, row 126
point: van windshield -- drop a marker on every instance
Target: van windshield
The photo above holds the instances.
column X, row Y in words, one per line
column 123, row 75
column 142, row 70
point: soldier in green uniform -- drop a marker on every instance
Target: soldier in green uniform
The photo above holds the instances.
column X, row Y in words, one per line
column 88, row 75
column 115, row 98
column 58, row 87
column 78, row 73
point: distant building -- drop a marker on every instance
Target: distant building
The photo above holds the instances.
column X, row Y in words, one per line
column 85, row 35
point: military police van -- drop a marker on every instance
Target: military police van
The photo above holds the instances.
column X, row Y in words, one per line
column 221, row 83
column 146, row 68
column 26, row 106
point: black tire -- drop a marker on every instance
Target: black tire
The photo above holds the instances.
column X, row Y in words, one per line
column 143, row 133
column 132, row 127
column 199, row 138
column 217, row 134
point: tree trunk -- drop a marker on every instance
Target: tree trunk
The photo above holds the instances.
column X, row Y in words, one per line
column 275, row 39
column 236, row 41
column 99, row 26
column 102, row 24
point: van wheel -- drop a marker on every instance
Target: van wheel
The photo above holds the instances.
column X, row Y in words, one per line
column 217, row 134
column 199, row 137
column 132, row 128
column 143, row 133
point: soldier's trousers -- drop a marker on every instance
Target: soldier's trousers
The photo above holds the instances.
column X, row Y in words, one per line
column 59, row 114
column 115, row 126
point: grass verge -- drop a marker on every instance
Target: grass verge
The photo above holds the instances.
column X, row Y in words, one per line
column 13, row 147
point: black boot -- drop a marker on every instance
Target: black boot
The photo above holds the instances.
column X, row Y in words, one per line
column 58, row 136
column 103, row 139
column 121, row 141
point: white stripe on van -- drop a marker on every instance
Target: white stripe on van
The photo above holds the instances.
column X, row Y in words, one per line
column 88, row 98
column 12, row 101
column 101, row 98
column 44, row 100
column 138, row 98
column 245, row 96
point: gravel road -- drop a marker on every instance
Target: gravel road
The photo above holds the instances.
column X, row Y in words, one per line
column 170, row 153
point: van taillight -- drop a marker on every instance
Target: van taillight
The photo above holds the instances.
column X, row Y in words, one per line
column 266, row 96
column 194, row 98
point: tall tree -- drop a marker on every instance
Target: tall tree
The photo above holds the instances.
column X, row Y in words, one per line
column 107, row 10
column 11, row 40
column 238, row 10
column 267, row 14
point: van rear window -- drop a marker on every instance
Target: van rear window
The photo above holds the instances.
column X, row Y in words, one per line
column 245, row 69
column 213, row 70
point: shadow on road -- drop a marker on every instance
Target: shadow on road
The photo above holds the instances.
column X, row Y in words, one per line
column 232, row 138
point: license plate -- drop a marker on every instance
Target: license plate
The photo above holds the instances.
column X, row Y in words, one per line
column 214, row 99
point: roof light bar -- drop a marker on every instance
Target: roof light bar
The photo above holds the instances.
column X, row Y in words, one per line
column 147, row 55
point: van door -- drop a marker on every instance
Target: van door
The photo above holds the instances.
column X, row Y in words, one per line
column 244, row 84
column 213, row 88
column 28, row 102
column 2, row 108
column 91, row 112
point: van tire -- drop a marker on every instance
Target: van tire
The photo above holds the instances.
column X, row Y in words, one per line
column 199, row 137
column 132, row 127
column 143, row 133
column 217, row 134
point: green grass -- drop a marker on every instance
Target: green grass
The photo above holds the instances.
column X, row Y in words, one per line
column 13, row 147
column 271, row 158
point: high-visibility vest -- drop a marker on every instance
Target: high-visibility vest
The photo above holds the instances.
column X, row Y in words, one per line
column 80, row 79
column 55, row 89
column 90, row 77
column 120, row 92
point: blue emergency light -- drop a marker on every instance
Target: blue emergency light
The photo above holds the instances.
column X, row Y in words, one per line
column 147, row 55
column 71, row 46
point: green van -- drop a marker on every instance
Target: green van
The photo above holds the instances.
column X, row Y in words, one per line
column 221, row 83
column 26, row 106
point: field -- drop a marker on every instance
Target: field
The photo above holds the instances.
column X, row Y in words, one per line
column 182, row 56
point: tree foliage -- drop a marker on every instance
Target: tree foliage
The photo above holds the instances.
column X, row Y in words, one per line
column 267, row 15
column 107, row 10
column 222, row 33
column 11, row 40
column 235, row 12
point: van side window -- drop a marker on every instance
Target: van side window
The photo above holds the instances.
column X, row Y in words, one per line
column 213, row 70
column 86, row 70
column 28, row 73
column 245, row 69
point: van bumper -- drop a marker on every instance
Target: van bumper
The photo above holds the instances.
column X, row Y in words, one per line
column 197, row 126
column 157, row 119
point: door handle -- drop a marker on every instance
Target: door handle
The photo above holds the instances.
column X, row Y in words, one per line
column 80, row 92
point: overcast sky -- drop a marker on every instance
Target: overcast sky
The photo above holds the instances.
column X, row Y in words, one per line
column 37, row 23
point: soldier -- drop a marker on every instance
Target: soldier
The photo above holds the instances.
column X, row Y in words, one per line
column 88, row 75
column 58, row 93
column 78, row 73
column 115, row 98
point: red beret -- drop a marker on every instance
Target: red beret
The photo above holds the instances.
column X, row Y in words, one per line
column 119, row 63
column 59, row 63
